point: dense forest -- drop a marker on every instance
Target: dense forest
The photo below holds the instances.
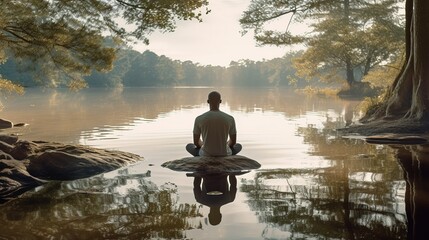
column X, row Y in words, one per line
column 147, row 69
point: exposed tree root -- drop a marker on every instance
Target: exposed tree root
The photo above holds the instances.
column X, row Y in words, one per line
column 399, row 126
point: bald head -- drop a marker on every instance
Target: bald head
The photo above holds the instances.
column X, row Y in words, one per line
column 214, row 96
column 214, row 100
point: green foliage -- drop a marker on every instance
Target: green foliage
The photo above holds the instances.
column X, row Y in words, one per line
column 328, row 92
column 10, row 87
column 370, row 104
column 383, row 76
column 161, row 14
column 62, row 41
column 345, row 40
column 142, row 70
column 277, row 72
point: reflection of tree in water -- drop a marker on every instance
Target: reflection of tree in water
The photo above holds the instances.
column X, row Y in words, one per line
column 359, row 195
column 414, row 161
column 126, row 206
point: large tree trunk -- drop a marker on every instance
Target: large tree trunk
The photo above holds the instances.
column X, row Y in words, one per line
column 420, row 101
column 408, row 97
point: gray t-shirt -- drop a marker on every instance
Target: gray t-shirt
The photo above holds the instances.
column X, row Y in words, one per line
column 215, row 126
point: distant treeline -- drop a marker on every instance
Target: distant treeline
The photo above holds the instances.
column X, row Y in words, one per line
column 147, row 69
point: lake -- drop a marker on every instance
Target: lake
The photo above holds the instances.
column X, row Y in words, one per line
column 313, row 183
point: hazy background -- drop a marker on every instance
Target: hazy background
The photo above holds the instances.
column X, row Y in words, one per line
column 215, row 41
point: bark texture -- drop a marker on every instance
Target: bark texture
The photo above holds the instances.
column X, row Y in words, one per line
column 407, row 100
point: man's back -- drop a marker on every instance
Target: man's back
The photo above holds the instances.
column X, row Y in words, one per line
column 215, row 126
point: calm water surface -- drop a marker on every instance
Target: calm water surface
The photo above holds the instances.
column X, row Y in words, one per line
column 313, row 183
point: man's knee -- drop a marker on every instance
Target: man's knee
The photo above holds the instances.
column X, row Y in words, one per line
column 236, row 148
column 192, row 149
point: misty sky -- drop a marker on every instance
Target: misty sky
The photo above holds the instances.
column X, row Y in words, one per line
column 215, row 41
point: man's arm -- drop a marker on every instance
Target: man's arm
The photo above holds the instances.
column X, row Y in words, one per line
column 232, row 140
column 197, row 141
column 232, row 134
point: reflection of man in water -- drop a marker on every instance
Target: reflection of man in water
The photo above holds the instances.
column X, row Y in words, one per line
column 215, row 193
column 214, row 126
